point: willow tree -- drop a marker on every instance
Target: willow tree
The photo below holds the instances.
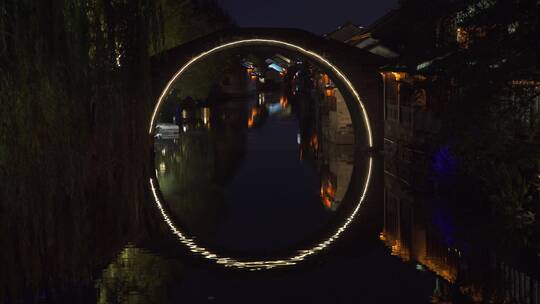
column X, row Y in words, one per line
column 186, row 20
column 73, row 143
column 73, row 87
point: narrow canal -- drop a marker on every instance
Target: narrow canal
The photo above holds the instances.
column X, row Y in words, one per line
column 265, row 193
column 261, row 194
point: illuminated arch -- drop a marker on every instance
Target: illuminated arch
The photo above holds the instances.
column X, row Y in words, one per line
column 278, row 43
column 300, row 255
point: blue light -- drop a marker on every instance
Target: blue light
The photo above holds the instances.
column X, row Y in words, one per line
column 274, row 108
column 442, row 219
column 444, row 164
column 276, row 67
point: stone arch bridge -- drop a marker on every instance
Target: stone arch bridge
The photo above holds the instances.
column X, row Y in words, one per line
column 355, row 71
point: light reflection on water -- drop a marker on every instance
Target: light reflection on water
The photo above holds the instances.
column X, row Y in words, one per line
column 260, row 264
column 137, row 276
column 426, row 268
column 271, row 113
column 235, row 181
column 407, row 231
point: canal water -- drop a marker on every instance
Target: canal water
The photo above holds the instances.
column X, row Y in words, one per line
column 264, row 208
column 262, row 199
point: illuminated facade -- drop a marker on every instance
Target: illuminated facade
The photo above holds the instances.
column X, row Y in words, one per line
column 409, row 234
column 322, row 146
column 336, row 120
column 413, row 234
column 410, row 126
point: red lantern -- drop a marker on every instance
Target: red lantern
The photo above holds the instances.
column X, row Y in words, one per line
column 326, row 79
column 330, row 91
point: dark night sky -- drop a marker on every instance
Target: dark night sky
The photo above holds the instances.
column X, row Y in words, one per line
column 318, row 16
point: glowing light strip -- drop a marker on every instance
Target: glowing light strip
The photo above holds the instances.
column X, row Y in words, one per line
column 263, row 264
column 264, row 41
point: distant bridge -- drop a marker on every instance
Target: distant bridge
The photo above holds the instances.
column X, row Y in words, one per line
column 354, row 71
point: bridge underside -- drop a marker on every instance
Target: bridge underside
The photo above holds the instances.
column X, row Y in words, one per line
column 360, row 67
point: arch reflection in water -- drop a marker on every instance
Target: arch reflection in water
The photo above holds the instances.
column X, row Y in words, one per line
column 259, row 264
column 278, row 152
